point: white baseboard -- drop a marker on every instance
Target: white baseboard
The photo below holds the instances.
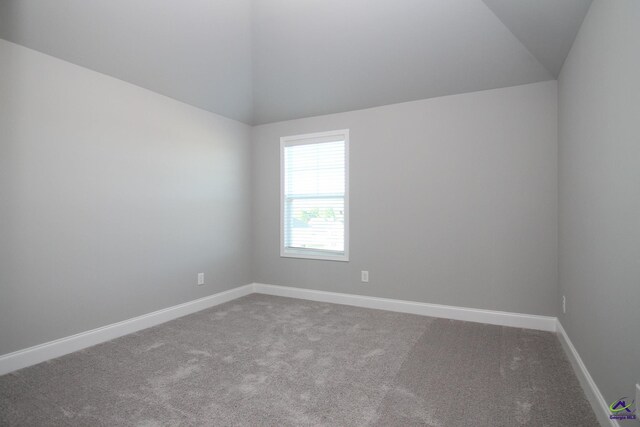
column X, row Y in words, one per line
column 40, row 353
column 589, row 386
column 529, row 321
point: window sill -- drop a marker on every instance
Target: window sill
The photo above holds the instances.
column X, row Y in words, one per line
column 314, row 255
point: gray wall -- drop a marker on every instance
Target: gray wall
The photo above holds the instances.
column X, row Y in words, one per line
column 453, row 201
column 599, row 140
column 112, row 199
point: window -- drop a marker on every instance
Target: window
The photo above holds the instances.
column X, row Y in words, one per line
column 314, row 192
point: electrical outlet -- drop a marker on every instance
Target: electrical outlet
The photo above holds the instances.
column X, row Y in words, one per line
column 364, row 276
column 564, row 304
column 200, row 279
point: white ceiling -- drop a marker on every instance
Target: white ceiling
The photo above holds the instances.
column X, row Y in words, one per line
column 546, row 27
column 196, row 51
column 260, row 61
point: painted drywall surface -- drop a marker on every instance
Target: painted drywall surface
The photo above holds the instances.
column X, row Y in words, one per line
column 112, row 199
column 599, row 159
column 198, row 52
column 453, row 201
column 330, row 56
column 547, row 28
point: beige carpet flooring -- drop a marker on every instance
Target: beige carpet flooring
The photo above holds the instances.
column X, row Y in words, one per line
column 271, row 361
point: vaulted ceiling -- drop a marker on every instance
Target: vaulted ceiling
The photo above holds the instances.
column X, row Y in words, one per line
column 260, row 61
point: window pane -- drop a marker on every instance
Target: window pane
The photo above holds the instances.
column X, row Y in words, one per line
column 315, row 223
column 314, row 169
column 314, row 183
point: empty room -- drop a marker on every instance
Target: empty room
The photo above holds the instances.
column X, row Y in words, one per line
column 320, row 213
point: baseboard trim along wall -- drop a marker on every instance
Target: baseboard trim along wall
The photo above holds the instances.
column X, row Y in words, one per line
column 595, row 398
column 517, row 320
column 52, row 349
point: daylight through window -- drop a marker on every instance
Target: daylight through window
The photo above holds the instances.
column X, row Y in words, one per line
column 315, row 196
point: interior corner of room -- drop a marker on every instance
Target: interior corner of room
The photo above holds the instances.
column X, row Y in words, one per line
column 143, row 182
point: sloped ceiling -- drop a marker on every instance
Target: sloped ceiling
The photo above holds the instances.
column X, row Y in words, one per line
column 546, row 27
column 260, row 61
column 196, row 51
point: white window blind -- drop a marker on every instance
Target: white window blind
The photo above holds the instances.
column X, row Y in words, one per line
column 314, row 196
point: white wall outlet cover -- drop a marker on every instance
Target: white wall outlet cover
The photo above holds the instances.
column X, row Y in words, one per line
column 364, row 276
column 200, row 278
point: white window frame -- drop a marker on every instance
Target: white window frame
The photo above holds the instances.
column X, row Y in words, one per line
column 312, row 138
